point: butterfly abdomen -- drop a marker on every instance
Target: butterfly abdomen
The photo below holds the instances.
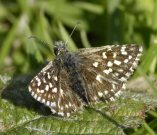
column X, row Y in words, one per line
column 72, row 65
column 77, row 85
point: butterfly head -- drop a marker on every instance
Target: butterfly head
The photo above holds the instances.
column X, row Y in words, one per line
column 60, row 48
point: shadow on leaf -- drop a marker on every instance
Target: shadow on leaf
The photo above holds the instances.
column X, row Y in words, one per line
column 17, row 93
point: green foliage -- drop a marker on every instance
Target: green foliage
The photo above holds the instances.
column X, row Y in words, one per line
column 102, row 22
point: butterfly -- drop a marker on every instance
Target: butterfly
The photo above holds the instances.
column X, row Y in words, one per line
column 89, row 75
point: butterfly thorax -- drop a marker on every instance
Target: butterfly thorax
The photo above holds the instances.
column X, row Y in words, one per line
column 69, row 60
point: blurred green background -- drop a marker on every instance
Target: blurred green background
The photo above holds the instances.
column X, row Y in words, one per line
column 103, row 22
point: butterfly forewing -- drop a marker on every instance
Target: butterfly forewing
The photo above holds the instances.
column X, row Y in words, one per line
column 106, row 69
column 50, row 87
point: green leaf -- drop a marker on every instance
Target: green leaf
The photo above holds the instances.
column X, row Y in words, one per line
column 95, row 8
column 84, row 39
column 21, row 114
column 66, row 12
column 150, row 57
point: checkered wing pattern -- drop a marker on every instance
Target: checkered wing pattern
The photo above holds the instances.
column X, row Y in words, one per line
column 105, row 70
column 83, row 77
column 50, row 87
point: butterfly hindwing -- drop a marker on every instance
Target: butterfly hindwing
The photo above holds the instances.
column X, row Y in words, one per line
column 50, row 87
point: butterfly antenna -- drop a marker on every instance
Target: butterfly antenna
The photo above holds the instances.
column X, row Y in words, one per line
column 39, row 40
column 72, row 32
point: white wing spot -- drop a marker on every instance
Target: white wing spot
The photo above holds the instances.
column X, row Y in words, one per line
column 106, row 92
column 109, row 48
column 114, row 55
column 61, row 108
column 49, row 95
column 32, row 93
column 112, row 99
column 44, row 80
column 124, row 53
column 35, row 96
column 70, row 104
column 42, row 91
column 55, row 78
column 95, row 64
column 110, row 69
column 39, row 98
column 141, row 49
column 113, row 86
column 48, row 103
column 123, row 79
column 50, row 84
column 68, row 114
column 61, row 91
column 130, row 57
column 100, row 94
column 107, row 71
column 118, row 93
column 47, row 87
column 124, row 86
column 39, row 83
column 54, row 90
column 127, row 74
column 120, row 70
column 138, row 55
column 66, row 106
column 53, row 104
column 109, row 64
column 137, row 59
column 95, row 98
column 131, row 69
column 53, row 110
column 48, row 75
column 112, row 90
column 43, row 100
column 29, row 88
column 98, row 78
column 61, row 113
column 123, row 47
column 117, row 62
column 38, row 91
column 34, row 84
column 126, row 61
column 116, row 74
column 135, row 64
column 104, row 55
column 38, row 80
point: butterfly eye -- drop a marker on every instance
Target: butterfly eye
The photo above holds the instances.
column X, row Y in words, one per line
column 56, row 51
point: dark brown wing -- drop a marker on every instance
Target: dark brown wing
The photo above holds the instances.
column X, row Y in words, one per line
column 106, row 69
column 51, row 87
